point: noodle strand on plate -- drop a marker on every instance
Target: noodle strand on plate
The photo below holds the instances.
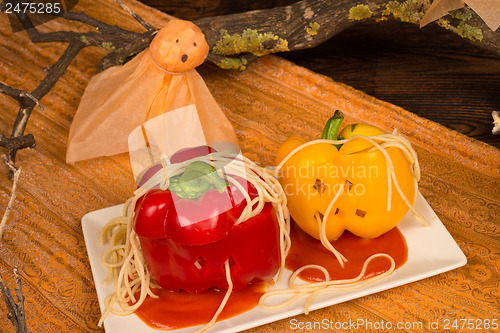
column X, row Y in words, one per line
column 313, row 289
column 123, row 259
column 380, row 143
column 126, row 266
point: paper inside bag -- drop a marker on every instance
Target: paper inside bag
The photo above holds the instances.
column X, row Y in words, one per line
column 167, row 134
column 152, row 151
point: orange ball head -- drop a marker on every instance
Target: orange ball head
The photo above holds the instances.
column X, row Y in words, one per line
column 179, row 47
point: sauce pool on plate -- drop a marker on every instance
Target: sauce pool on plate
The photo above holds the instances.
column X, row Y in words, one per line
column 307, row 250
column 179, row 309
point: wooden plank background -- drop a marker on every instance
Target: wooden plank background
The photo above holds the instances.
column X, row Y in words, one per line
column 430, row 71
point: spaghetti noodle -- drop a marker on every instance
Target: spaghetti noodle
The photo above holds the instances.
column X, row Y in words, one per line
column 224, row 300
column 314, row 289
column 380, row 143
column 124, row 261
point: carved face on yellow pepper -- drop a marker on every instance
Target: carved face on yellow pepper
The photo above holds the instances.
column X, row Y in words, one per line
column 350, row 186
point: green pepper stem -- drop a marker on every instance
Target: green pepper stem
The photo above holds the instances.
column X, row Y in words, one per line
column 331, row 130
column 198, row 178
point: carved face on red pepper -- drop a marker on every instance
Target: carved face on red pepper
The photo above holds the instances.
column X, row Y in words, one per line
column 189, row 231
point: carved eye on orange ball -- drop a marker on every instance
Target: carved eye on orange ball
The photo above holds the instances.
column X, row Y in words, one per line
column 179, row 47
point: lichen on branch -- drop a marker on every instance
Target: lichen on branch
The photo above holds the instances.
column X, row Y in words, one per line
column 411, row 11
column 233, row 63
column 296, row 27
column 359, row 12
column 463, row 21
column 249, row 41
column 313, row 28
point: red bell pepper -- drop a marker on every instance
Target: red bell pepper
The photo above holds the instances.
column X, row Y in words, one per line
column 188, row 232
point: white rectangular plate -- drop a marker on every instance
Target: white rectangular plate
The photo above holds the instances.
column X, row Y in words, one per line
column 431, row 251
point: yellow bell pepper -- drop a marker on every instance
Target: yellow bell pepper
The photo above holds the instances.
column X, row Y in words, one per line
column 347, row 186
column 359, row 129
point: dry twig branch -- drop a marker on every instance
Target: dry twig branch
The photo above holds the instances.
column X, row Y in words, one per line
column 139, row 19
column 308, row 23
column 16, row 172
column 496, row 122
column 235, row 40
column 122, row 43
column 15, row 308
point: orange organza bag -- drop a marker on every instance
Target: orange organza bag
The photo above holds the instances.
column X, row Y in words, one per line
column 157, row 82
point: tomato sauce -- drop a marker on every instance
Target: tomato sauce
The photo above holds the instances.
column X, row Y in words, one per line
column 306, row 250
column 179, row 309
